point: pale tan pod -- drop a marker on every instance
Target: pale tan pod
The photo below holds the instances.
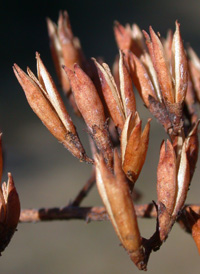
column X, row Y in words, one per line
column 52, row 94
column 40, row 105
column 142, row 80
column 40, row 102
column 180, row 66
column 126, row 88
column 111, row 94
column 91, row 108
column 86, row 97
column 162, row 69
column 134, row 145
column 167, row 177
column 69, row 47
column 122, row 36
column 57, row 55
column 183, row 181
column 114, row 191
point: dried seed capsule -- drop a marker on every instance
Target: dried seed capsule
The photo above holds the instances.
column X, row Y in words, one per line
column 134, row 145
column 91, row 108
column 9, row 212
column 46, row 102
column 115, row 193
column 120, row 102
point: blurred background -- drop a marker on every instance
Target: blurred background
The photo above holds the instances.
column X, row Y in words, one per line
column 46, row 175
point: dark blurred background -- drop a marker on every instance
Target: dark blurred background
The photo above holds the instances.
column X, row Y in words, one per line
column 46, row 175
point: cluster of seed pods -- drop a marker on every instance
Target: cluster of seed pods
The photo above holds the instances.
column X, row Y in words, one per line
column 166, row 77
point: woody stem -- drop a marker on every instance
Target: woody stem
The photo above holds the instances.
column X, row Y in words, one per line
column 86, row 213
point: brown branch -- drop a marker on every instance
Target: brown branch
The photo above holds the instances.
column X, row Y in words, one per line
column 66, row 213
column 86, row 213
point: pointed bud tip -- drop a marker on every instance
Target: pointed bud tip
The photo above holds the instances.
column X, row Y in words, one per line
column 37, row 55
column 15, row 68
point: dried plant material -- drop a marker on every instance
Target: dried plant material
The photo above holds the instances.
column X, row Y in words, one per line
column 161, row 67
column 111, row 95
column 126, row 88
column 142, row 79
column 120, row 102
column 128, row 38
column 123, row 36
column 194, row 68
column 167, row 44
column 166, row 176
column 179, row 66
column 91, row 108
column 159, row 70
column 138, row 39
column 57, row 55
column 9, row 212
column 115, row 71
column 114, row 191
column 173, row 179
column 65, row 48
column 192, row 148
column 134, row 145
column 46, row 102
column 162, row 82
column 190, row 102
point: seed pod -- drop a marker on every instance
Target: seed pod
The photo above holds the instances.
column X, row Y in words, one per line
column 128, row 38
column 9, row 212
column 179, row 66
column 162, row 82
column 65, row 48
column 173, row 178
column 120, row 102
column 134, row 145
column 161, row 66
column 91, row 108
column 115, row 194
column 46, row 102
column 141, row 79
column 57, row 55
column 166, row 176
column 192, row 148
column 122, row 36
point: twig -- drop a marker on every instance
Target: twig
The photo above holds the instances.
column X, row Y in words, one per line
column 86, row 213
